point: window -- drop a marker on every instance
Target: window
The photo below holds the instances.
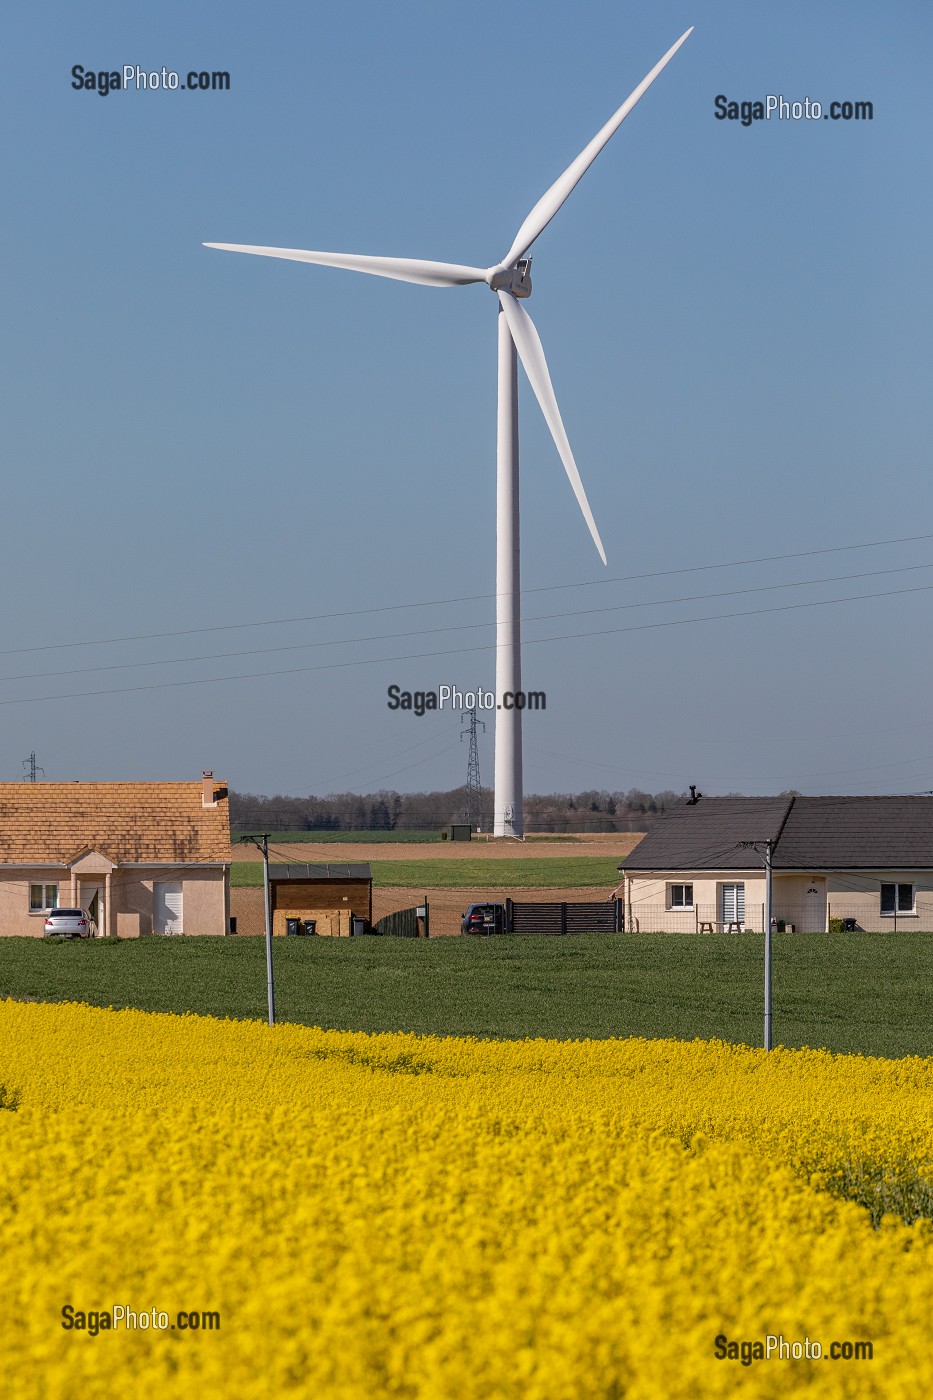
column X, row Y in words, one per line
column 897, row 899
column 680, row 896
column 42, row 897
column 733, row 903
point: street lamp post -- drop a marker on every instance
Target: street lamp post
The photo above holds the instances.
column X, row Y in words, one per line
column 766, row 848
column 263, row 837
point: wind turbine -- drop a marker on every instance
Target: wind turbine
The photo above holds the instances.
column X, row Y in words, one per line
column 510, row 279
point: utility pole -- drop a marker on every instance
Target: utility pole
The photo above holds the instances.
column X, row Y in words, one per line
column 263, row 837
column 474, row 798
column 30, row 764
column 766, row 848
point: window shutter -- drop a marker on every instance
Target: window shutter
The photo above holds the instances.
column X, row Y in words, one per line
column 733, row 903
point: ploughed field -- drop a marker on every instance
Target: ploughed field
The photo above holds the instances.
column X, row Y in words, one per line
column 447, row 905
column 610, row 851
column 451, row 1219
column 452, row 874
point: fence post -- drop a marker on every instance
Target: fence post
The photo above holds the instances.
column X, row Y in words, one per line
column 563, row 918
column 427, row 918
column 509, row 915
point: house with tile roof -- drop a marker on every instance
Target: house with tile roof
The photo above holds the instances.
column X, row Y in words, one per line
column 141, row 858
column 864, row 861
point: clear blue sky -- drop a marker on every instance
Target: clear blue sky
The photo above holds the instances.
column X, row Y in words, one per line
column 738, row 325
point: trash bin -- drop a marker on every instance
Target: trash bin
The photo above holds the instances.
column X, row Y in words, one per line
column 849, row 925
column 310, row 926
column 292, row 927
column 357, row 927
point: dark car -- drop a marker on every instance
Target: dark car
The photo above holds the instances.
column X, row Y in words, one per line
column 483, row 918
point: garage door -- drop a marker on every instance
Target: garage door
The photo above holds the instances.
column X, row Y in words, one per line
column 167, row 915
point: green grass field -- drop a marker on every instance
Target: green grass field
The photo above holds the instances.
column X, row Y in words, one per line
column 847, row 992
column 563, row 872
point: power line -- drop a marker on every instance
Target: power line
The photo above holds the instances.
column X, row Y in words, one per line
column 386, row 758
column 653, row 773
column 449, row 748
column 460, row 651
column 466, row 598
column 459, row 627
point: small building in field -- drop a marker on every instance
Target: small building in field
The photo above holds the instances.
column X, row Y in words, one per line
column 837, row 863
column 332, row 895
column 457, row 831
column 141, row 858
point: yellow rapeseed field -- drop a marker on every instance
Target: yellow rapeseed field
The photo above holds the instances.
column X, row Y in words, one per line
column 403, row 1216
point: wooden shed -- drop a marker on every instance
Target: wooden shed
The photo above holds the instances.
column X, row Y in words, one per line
column 332, row 895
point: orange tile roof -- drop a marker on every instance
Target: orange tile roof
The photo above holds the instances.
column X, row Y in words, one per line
column 55, row 822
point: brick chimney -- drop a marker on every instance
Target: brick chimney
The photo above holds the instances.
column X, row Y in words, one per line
column 207, row 788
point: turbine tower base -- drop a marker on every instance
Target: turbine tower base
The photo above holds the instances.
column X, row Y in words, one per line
column 509, row 815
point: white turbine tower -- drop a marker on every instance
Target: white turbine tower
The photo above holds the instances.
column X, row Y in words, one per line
column 511, row 280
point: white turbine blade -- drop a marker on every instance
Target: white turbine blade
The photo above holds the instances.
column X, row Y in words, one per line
column 429, row 274
column 531, row 354
column 549, row 203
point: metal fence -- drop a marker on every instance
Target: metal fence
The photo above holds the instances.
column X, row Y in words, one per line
column 830, row 916
column 563, row 916
column 405, row 923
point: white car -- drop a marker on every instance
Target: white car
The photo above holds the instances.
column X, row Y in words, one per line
column 70, row 923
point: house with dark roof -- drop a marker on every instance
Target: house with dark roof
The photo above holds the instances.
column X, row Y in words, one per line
column 141, row 858
column 864, row 861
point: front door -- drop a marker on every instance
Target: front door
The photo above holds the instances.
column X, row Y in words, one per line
column 92, row 899
column 814, row 907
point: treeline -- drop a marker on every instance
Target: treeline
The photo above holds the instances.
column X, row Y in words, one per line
column 430, row 811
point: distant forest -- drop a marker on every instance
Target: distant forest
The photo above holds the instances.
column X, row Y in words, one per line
column 430, row 811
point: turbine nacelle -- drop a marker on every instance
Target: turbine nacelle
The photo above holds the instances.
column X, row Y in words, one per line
column 510, row 279
column 515, row 279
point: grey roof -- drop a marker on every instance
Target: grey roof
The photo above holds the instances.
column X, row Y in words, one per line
column 340, row 871
column 705, row 835
column 810, row 833
column 853, row 833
